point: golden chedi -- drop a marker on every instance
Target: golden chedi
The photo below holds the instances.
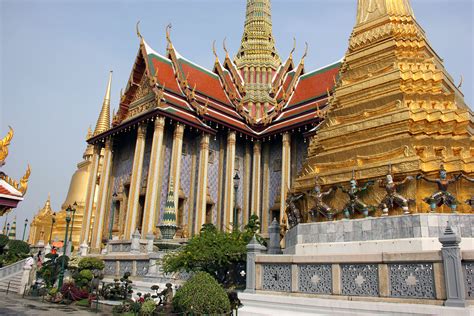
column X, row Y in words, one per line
column 395, row 105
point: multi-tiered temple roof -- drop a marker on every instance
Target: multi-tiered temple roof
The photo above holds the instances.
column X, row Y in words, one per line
column 254, row 94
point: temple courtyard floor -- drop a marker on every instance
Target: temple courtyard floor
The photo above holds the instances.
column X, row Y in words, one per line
column 13, row 304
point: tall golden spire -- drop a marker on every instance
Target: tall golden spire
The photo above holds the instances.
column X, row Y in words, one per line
column 89, row 149
column 370, row 10
column 258, row 46
column 103, row 122
column 257, row 58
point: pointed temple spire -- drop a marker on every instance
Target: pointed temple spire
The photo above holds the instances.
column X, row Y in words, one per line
column 258, row 46
column 370, row 10
column 89, row 148
column 257, row 59
column 103, row 122
column 12, row 233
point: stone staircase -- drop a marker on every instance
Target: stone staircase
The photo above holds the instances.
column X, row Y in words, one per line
column 12, row 283
column 10, row 277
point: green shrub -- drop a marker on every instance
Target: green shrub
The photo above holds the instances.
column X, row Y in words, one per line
column 86, row 274
column 91, row 263
column 18, row 247
column 3, row 241
column 201, row 295
column 84, row 302
column 148, row 307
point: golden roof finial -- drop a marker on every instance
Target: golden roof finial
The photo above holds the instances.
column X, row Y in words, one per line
column 461, row 82
column 4, row 145
column 24, row 180
column 89, row 132
column 294, row 48
column 305, row 51
column 103, row 122
column 168, row 35
column 138, row 30
column 225, row 47
column 214, row 51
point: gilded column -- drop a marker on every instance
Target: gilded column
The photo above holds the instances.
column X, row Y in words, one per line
column 175, row 168
column 135, row 182
column 228, row 185
column 256, row 177
column 152, row 192
column 202, row 183
column 266, row 188
column 220, row 193
column 90, row 195
column 285, row 173
column 246, row 188
column 102, row 197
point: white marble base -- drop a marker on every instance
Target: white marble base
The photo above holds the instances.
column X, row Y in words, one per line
column 375, row 246
column 285, row 305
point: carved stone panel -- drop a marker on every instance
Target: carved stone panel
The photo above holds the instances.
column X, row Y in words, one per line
column 276, row 277
column 142, row 268
column 360, row 279
column 315, row 278
column 110, row 266
column 414, row 280
column 125, row 266
column 469, row 277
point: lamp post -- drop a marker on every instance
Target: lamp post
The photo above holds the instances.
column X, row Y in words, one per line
column 53, row 220
column 73, row 210
column 61, row 272
column 236, row 188
column 24, row 230
column 8, row 228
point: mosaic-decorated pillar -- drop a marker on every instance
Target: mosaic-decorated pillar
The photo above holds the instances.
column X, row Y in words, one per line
column 285, row 173
column 175, row 167
column 90, row 195
column 256, row 177
column 152, row 188
column 102, row 197
column 266, row 188
column 246, row 188
column 202, row 183
column 135, row 182
column 229, row 176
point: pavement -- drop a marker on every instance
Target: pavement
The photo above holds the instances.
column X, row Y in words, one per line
column 15, row 305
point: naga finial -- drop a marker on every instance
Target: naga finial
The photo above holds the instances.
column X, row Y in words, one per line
column 137, row 27
column 24, row 181
column 168, row 34
column 214, row 50
column 305, row 51
column 461, row 82
column 4, row 145
column 225, row 47
column 294, row 47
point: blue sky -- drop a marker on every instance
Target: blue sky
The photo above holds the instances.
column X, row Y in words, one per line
column 55, row 57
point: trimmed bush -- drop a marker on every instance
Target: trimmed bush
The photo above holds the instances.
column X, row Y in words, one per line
column 18, row 247
column 91, row 263
column 3, row 241
column 201, row 295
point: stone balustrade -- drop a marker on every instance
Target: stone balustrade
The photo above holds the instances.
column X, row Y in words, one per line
column 12, row 269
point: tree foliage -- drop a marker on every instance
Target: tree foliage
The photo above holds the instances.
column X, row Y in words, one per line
column 220, row 254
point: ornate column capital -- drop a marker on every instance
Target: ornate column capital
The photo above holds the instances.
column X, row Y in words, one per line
column 231, row 137
column 109, row 143
column 159, row 122
column 286, row 138
column 205, row 141
column 178, row 131
column 257, row 147
column 141, row 131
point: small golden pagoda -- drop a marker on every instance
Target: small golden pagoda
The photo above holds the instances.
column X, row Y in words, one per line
column 395, row 105
column 41, row 224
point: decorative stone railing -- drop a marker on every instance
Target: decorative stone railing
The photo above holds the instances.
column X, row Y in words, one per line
column 118, row 264
column 430, row 277
column 12, row 269
column 119, row 246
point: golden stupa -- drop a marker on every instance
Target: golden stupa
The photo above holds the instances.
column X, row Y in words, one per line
column 40, row 228
column 394, row 106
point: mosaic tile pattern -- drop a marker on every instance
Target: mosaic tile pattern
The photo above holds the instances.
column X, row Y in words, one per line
column 213, row 176
column 301, row 153
column 125, row 266
column 275, row 174
column 168, row 142
column 110, row 267
column 239, row 167
column 142, row 268
column 186, row 172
